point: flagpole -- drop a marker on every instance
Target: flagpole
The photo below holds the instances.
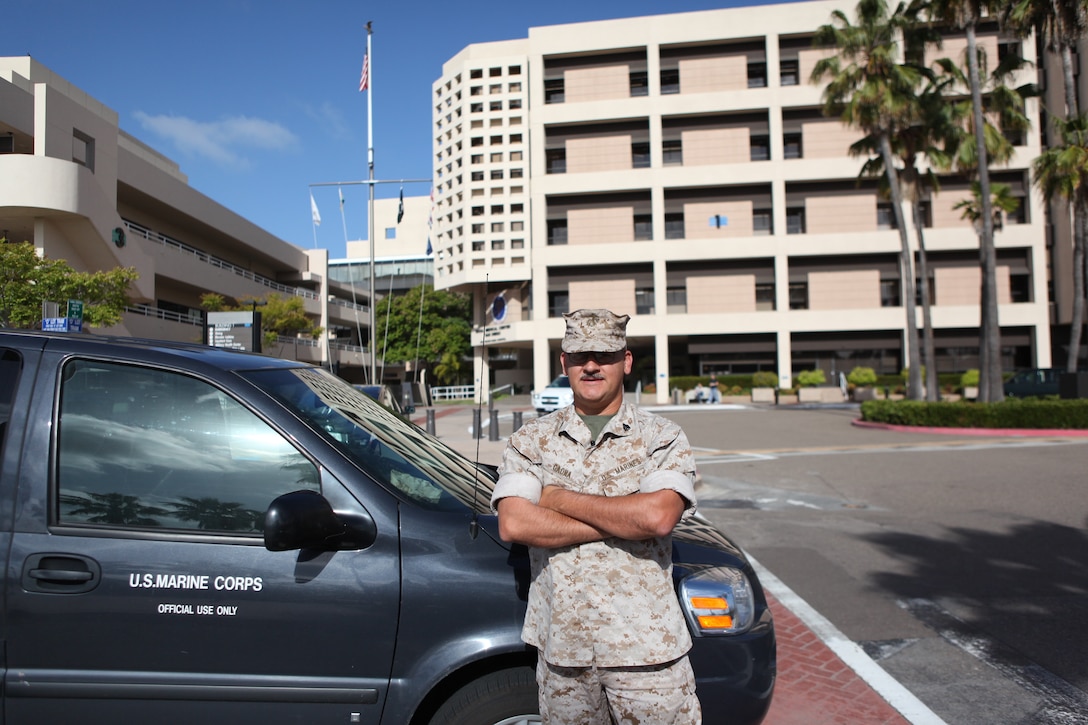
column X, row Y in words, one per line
column 370, row 210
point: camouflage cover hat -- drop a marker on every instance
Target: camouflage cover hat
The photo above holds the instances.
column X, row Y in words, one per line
column 595, row 331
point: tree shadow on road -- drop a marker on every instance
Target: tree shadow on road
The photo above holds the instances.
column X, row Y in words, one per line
column 1026, row 586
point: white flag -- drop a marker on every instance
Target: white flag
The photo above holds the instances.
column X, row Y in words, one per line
column 314, row 212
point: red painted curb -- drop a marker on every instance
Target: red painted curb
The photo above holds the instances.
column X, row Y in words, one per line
column 994, row 432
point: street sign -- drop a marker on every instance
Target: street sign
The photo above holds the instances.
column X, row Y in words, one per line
column 75, row 315
column 55, row 324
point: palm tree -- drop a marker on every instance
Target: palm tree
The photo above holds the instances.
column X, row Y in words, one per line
column 1062, row 23
column 1062, row 171
column 872, row 91
column 925, row 136
column 965, row 15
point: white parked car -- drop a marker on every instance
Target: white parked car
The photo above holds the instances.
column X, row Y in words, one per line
column 557, row 395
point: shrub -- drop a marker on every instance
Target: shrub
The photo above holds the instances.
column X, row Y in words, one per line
column 862, row 376
column 969, row 379
column 1017, row 413
column 810, row 378
column 764, row 379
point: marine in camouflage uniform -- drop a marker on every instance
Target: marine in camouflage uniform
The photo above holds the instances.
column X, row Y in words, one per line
column 602, row 610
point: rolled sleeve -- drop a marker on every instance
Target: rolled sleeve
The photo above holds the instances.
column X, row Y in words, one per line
column 521, row 485
column 670, row 481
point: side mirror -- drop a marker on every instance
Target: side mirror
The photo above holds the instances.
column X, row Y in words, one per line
column 305, row 520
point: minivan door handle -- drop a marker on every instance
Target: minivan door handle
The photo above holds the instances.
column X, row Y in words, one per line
column 60, row 574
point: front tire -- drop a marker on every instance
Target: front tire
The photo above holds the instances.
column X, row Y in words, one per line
column 506, row 697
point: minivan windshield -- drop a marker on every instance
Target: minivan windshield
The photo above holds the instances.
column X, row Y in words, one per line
column 395, row 453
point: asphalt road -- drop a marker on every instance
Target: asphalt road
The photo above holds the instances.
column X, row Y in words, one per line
column 959, row 563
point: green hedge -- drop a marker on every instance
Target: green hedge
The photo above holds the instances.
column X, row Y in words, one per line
column 1018, row 413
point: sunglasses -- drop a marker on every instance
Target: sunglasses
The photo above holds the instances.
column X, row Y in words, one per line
column 601, row 358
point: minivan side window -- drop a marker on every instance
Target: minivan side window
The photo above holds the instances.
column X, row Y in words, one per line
column 10, row 365
column 155, row 449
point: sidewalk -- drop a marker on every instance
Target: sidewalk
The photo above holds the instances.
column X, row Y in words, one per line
column 823, row 677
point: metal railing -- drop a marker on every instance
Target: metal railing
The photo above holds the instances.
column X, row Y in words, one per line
column 454, row 392
column 148, row 311
column 216, row 262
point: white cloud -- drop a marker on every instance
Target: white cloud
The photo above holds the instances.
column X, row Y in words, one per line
column 329, row 119
column 220, row 141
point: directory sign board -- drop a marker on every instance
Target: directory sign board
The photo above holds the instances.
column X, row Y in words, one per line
column 236, row 330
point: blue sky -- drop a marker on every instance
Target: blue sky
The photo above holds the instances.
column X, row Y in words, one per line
column 258, row 99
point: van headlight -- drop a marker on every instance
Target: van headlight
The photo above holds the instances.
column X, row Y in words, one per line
column 717, row 601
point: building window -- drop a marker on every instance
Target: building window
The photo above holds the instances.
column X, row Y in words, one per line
column 495, row 106
column 889, row 293
column 497, row 228
column 496, row 174
column 555, row 161
column 517, row 244
column 791, row 143
column 82, row 149
column 477, row 176
column 494, row 88
column 517, row 226
column 759, row 147
column 515, row 103
column 517, row 208
column 514, row 88
column 496, row 209
column 390, row 232
column 516, row 174
column 557, row 231
column 788, row 72
column 515, row 138
column 643, row 227
column 674, row 226
column 885, row 217
column 477, row 141
column 477, row 228
column 495, row 72
column 476, row 108
column 476, row 159
column 644, row 301
column 497, row 245
column 476, row 73
column 478, row 246
column 670, row 81
column 765, row 296
column 762, row 222
column 476, row 91
column 554, row 90
column 496, row 140
column 795, row 220
column 676, row 300
column 640, row 83
column 672, row 152
column 558, row 304
column 757, row 74
column 514, row 70
column 640, row 155
column 798, row 295
column 515, row 155
column 477, row 211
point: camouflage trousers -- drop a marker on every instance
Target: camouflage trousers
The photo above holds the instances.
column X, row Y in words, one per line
column 651, row 695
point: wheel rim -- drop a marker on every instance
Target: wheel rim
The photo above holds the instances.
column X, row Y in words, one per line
column 520, row 720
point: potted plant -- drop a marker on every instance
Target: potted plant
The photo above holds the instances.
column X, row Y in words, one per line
column 969, row 384
column 808, row 382
column 861, row 380
column 764, row 384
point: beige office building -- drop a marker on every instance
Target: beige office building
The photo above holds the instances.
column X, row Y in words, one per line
column 83, row 190
column 678, row 168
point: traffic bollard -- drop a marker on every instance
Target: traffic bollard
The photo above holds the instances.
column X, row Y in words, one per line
column 517, row 419
column 493, row 427
column 477, row 427
column 430, row 420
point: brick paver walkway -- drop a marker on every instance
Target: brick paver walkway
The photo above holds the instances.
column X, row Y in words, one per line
column 814, row 686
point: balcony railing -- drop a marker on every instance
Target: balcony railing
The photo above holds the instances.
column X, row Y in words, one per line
column 215, row 261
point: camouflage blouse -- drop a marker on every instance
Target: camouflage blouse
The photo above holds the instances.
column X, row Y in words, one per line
column 607, row 603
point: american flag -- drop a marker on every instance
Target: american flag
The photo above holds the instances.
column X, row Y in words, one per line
column 364, row 79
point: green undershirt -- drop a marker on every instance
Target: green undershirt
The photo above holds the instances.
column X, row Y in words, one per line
column 596, row 424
